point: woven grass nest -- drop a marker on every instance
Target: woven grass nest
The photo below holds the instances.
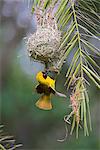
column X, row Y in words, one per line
column 43, row 45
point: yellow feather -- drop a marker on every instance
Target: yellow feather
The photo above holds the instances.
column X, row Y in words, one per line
column 48, row 81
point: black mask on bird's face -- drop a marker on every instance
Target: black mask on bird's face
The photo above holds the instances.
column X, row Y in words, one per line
column 45, row 75
column 51, row 74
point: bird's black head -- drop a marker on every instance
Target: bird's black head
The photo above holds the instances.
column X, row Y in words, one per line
column 45, row 75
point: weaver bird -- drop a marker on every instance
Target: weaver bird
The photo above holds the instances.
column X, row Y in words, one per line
column 46, row 87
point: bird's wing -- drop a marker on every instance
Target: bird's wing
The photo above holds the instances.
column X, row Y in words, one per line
column 39, row 89
column 42, row 88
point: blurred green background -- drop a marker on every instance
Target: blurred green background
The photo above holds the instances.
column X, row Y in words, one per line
column 34, row 128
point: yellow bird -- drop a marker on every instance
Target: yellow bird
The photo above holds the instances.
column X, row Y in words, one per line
column 47, row 88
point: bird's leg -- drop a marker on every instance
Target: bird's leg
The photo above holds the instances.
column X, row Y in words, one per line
column 46, row 66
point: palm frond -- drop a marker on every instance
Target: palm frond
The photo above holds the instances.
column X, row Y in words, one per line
column 7, row 142
column 84, row 23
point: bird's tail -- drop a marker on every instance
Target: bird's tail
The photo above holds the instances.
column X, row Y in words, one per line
column 44, row 102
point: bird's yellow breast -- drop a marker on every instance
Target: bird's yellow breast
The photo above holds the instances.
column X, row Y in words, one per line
column 48, row 81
